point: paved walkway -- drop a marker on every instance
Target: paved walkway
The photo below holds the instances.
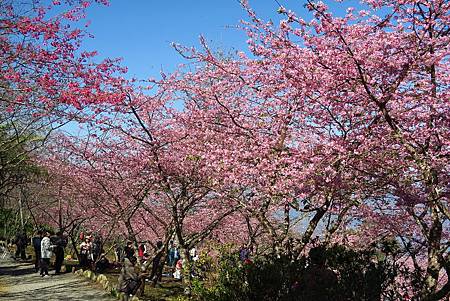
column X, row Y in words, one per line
column 19, row 282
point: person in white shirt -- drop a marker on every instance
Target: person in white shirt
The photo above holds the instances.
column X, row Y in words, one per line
column 86, row 253
column 46, row 254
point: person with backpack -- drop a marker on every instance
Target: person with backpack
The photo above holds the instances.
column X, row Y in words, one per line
column 36, row 242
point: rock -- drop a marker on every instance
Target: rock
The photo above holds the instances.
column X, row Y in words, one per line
column 105, row 284
column 121, row 296
column 101, row 278
column 110, row 288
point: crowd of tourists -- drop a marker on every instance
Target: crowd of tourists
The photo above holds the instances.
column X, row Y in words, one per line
column 91, row 253
column 138, row 262
column 136, row 270
column 45, row 246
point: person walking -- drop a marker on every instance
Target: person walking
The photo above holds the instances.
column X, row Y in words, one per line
column 36, row 242
column 46, row 254
column 60, row 243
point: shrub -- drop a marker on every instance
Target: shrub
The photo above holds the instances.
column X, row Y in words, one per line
column 333, row 273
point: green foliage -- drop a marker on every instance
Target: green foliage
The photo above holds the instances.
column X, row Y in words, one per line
column 7, row 221
column 230, row 283
column 178, row 298
column 15, row 161
column 363, row 275
column 282, row 273
column 334, row 273
column 10, row 223
column 200, row 267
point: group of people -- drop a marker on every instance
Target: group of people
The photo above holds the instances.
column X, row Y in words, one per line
column 45, row 246
column 174, row 260
column 132, row 277
column 92, row 255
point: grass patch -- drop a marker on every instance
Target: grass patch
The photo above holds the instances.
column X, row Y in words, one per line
column 166, row 290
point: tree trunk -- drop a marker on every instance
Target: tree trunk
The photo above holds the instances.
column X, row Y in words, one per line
column 187, row 266
column 434, row 246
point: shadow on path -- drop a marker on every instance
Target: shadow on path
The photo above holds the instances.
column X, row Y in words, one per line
column 16, row 271
column 20, row 283
column 76, row 292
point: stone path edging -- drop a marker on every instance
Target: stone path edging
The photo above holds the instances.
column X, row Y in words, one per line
column 103, row 281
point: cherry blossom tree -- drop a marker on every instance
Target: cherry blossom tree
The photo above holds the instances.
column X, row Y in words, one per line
column 41, row 67
column 356, row 102
column 45, row 79
column 331, row 125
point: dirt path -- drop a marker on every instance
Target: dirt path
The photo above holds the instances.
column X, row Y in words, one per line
column 19, row 282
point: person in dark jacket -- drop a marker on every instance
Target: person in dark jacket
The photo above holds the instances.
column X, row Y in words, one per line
column 119, row 252
column 36, row 242
column 21, row 242
column 156, row 272
column 102, row 264
column 319, row 281
column 59, row 242
column 96, row 247
column 129, row 250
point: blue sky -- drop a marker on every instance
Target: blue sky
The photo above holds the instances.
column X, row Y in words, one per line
column 141, row 31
